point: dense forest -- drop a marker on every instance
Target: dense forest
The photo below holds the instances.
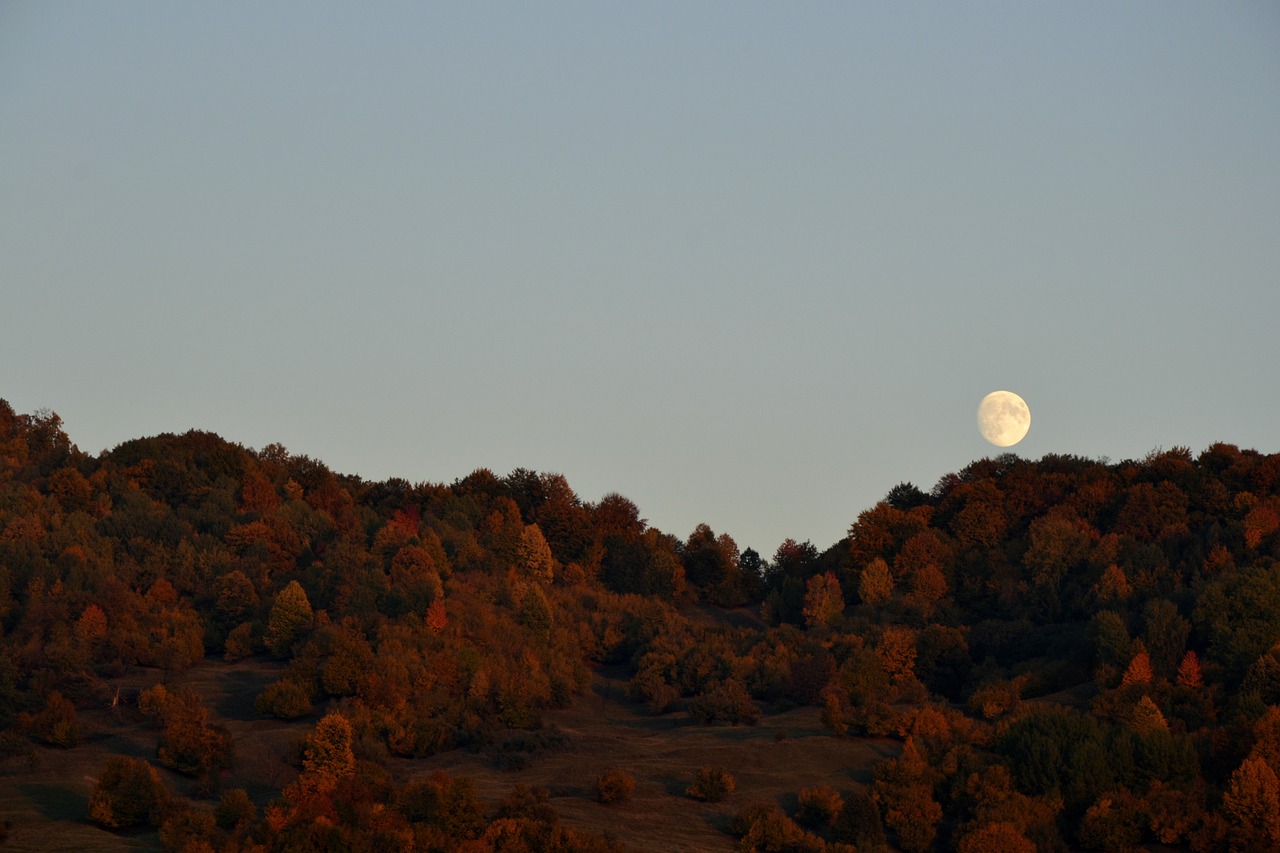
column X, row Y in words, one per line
column 1059, row 654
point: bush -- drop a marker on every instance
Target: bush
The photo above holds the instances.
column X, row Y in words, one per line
column 286, row 699
column 765, row 827
column 239, row 642
column 711, row 784
column 859, row 823
column 725, row 703
column 56, row 724
column 614, row 786
column 819, row 805
column 234, row 808
column 188, row 829
column 129, row 793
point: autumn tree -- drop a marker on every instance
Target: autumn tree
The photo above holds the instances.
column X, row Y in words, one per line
column 711, row 564
column 188, row 743
column 535, row 612
column 415, row 576
column 1114, row 822
column 91, row 627
column 711, row 784
column 1113, row 586
column 127, row 794
column 235, row 809
column 437, row 619
column 533, row 554
column 328, row 756
column 875, row 583
column 56, row 723
column 290, row 617
column 1252, row 802
column 1148, row 718
column 235, row 600
column 1000, row 835
column 1139, row 670
column 1189, row 671
column 823, row 601
column 614, row 786
column 904, row 788
column 819, row 805
column 897, row 651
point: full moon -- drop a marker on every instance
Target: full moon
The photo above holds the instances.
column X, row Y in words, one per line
column 1003, row 418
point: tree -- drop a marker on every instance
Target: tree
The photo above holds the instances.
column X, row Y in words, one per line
column 1239, row 612
column 616, row 515
column 188, row 744
column 1252, row 800
column 535, row 612
column 711, row 784
column 1147, row 717
column 1189, row 671
column 328, row 756
column 819, row 805
column 1165, row 636
column 236, row 601
column 1139, row 671
column 875, row 583
column 56, row 724
column 897, row 651
column 1001, row 836
column 928, row 587
column 533, row 554
column 823, row 601
column 414, row 575
column 1114, row 822
column 290, row 617
column 91, row 628
column 287, row 699
column 128, row 793
column 614, row 786
column 437, row 619
column 1113, row 586
column 1059, row 544
column 234, row 809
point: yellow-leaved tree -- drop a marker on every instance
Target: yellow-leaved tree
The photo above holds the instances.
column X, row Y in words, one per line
column 290, row 617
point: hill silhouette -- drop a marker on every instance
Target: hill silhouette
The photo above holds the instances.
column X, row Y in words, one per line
column 209, row 647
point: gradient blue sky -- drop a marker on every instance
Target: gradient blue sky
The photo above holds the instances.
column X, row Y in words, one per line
column 750, row 264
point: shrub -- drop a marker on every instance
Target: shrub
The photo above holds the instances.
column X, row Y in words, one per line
column 819, row 805
column 286, row 699
column 155, row 702
column 711, row 784
column 234, row 808
column 727, row 702
column 129, row 793
column 188, row 829
column 239, row 642
column 56, row 724
column 614, row 786
column 765, row 827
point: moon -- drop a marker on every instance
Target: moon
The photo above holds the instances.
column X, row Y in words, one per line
column 1003, row 418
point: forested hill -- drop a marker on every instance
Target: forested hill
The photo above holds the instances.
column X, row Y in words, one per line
column 1070, row 652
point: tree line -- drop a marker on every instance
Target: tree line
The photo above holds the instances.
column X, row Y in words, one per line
column 1070, row 652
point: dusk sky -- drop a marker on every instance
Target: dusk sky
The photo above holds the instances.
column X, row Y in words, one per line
column 748, row 264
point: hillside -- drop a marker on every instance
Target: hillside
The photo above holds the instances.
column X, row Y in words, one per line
column 208, row 647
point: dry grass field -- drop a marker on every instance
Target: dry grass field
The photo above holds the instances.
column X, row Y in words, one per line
column 45, row 800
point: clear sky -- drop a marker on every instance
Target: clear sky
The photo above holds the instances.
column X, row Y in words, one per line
column 751, row 264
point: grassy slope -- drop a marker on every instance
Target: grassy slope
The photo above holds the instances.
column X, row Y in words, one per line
column 47, row 803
